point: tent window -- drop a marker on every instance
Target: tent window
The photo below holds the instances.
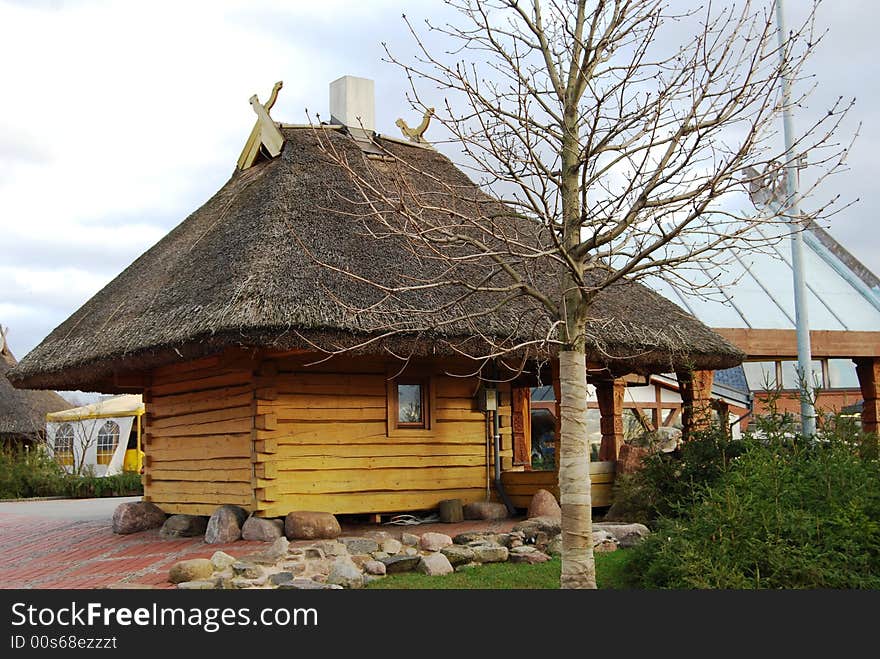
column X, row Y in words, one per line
column 108, row 439
column 64, row 445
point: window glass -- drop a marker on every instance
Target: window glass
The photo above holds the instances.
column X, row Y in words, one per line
column 108, row 438
column 842, row 374
column 791, row 380
column 64, row 445
column 409, row 404
column 760, row 375
column 594, row 433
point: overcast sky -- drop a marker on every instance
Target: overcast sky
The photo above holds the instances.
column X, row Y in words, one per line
column 118, row 119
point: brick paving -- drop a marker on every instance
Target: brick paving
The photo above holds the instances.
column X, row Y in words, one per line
column 61, row 553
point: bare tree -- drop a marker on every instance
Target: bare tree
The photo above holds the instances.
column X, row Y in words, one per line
column 621, row 152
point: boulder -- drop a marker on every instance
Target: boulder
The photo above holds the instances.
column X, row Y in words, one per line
column 137, row 516
column 490, row 553
column 346, row 574
column 544, row 504
column 225, row 525
column 485, row 510
column 358, row 545
column 526, row 554
column 434, row 541
column 554, row 547
column 435, row 565
column 531, row 528
column 306, row 525
column 474, row 536
column 409, row 539
column 458, row 555
column 221, row 560
column 400, row 563
column 375, row 568
column 184, row 526
column 272, row 554
column 391, row 546
column 302, row 583
column 630, row 459
column 626, row 534
column 247, row 570
column 262, row 530
column 603, row 541
column 193, row 569
column 332, row 548
column 280, row 577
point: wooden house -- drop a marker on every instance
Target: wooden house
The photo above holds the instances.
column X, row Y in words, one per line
column 268, row 376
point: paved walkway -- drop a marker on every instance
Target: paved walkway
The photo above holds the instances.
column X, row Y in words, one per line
column 69, row 544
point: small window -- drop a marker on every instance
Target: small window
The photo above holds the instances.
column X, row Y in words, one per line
column 760, row 375
column 108, row 439
column 64, row 445
column 411, row 406
column 842, row 374
column 791, row 378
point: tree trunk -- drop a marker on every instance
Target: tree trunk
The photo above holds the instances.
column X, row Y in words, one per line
column 578, row 569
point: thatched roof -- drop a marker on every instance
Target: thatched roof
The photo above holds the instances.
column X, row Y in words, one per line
column 23, row 412
column 242, row 271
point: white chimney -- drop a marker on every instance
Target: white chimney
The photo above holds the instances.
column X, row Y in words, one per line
column 352, row 104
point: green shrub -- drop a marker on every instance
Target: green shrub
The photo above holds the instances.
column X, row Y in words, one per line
column 786, row 513
column 669, row 481
column 30, row 472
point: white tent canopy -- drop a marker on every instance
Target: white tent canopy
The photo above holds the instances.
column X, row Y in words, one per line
column 83, row 438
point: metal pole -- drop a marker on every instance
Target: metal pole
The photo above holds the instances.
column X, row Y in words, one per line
column 802, row 322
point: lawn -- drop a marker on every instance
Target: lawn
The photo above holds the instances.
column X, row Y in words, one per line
column 610, row 568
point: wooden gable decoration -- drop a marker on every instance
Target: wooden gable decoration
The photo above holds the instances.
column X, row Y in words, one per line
column 265, row 138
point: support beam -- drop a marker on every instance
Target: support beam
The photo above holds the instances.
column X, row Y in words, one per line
column 609, row 394
column 868, row 371
column 695, row 388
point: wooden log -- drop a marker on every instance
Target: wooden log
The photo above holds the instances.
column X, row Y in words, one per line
column 451, row 511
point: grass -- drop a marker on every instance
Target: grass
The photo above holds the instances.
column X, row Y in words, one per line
column 610, row 568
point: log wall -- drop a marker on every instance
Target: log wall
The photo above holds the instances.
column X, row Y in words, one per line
column 199, row 434
column 326, row 446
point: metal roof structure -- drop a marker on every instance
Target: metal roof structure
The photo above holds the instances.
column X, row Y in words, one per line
column 842, row 293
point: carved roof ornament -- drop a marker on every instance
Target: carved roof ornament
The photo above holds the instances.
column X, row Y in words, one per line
column 416, row 134
column 265, row 135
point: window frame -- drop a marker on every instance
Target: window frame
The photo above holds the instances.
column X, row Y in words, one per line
column 103, row 457
column 64, row 456
column 428, row 395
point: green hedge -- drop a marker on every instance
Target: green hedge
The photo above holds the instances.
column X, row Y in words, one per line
column 787, row 512
column 28, row 473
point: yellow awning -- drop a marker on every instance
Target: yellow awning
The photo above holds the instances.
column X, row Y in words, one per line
column 125, row 405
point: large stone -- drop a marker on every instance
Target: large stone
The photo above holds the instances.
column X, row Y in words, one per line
column 247, row 570
column 332, row 548
column 262, row 530
column 375, row 568
column 434, row 541
column 193, row 569
column 543, row 504
column 490, row 553
column 346, row 574
column 302, row 583
column 391, row 546
column 458, row 555
column 306, row 525
column 554, row 547
column 280, row 577
column 531, row 528
column 630, row 459
column 409, row 539
column 221, row 560
column 358, row 545
column 626, row 534
column 272, row 554
column 485, row 510
column 435, row 565
column 603, row 541
column 401, row 563
column 184, row 526
column 474, row 536
column 137, row 516
column 225, row 525
column 528, row 555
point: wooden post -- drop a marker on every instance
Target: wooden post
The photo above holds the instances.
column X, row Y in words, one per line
column 695, row 388
column 868, row 370
column 610, row 396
